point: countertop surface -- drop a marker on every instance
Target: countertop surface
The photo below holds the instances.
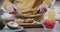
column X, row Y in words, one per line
column 34, row 30
column 57, row 3
column 40, row 30
column 56, row 29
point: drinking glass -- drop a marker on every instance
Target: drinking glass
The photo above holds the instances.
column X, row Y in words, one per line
column 52, row 3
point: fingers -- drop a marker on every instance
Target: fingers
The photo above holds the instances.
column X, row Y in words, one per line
column 43, row 10
column 12, row 9
column 14, row 6
column 9, row 8
column 17, row 10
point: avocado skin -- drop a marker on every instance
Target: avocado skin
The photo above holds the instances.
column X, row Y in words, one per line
column 2, row 24
column 13, row 28
column 1, row 27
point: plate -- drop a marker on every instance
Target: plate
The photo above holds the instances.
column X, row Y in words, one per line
column 6, row 29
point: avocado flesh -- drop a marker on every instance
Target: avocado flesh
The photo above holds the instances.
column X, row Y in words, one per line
column 13, row 26
column 10, row 27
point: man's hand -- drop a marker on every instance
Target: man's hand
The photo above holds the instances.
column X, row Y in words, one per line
column 12, row 9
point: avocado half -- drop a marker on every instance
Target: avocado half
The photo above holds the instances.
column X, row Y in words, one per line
column 12, row 25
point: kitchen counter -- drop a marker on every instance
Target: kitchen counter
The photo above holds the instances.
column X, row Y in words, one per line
column 34, row 30
column 39, row 30
column 57, row 3
column 56, row 29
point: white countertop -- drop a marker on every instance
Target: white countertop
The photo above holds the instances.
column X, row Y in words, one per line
column 57, row 10
column 57, row 3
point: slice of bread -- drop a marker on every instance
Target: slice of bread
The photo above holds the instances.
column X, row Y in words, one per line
column 28, row 5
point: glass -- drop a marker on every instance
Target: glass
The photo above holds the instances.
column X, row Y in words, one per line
column 51, row 15
column 49, row 3
column 49, row 22
column 52, row 3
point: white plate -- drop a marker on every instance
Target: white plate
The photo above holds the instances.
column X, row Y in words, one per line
column 6, row 29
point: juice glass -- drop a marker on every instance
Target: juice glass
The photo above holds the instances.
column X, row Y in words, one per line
column 49, row 23
column 51, row 15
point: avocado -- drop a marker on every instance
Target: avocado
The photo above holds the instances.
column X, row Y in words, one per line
column 12, row 25
column 2, row 24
